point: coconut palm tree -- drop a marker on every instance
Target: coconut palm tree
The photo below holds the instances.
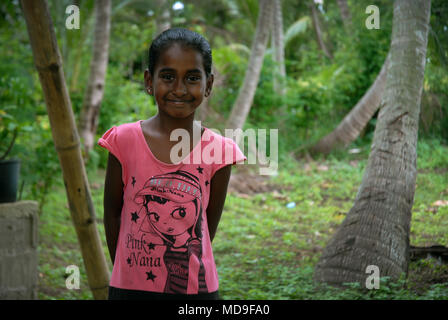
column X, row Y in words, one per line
column 356, row 120
column 246, row 94
column 376, row 229
column 278, row 47
column 318, row 29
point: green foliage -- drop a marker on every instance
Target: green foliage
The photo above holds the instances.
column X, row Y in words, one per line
column 434, row 106
column 23, row 108
column 123, row 102
column 432, row 154
column 264, row 250
column 9, row 127
column 230, row 62
column 129, row 46
column 296, row 29
column 58, row 243
column 34, row 145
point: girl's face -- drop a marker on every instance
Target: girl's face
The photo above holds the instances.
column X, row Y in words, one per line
column 179, row 83
column 176, row 218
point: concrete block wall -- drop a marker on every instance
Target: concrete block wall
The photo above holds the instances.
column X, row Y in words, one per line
column 18, row 250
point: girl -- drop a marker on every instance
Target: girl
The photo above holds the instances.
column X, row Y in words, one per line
column 160, row 216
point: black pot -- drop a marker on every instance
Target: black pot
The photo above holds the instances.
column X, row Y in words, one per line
column 9, row 180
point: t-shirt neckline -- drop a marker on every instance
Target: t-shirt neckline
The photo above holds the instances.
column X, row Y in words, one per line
column 159, row 162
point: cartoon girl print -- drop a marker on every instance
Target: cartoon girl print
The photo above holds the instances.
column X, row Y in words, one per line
column 172, row 209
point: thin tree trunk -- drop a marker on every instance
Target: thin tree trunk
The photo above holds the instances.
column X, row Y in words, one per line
column 376, row 229
column 278, row 48
column 86, row 26
column 246, row 94
column 345, row 14
column 356, row 120
column 90, row 111
column 318, row 30
column 48, row 63
column 163, row 19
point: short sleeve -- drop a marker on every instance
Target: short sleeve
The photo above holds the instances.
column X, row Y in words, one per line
column 231, row 155
column 109, row 142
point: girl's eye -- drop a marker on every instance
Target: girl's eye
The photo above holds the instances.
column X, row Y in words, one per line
column 193, row 78
column 167, row 77
column 179, row 213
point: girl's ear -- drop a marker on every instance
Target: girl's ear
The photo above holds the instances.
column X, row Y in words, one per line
column 209, row 85
column 148, row 82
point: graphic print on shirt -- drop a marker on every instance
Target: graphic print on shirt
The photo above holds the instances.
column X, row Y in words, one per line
column 165, row 240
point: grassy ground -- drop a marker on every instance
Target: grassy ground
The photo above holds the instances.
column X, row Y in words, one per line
column 265, row 250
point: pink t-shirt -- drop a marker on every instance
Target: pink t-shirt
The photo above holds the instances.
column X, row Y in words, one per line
column 164, row 243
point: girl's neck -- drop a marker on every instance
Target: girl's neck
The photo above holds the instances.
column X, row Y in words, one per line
column 166, row 124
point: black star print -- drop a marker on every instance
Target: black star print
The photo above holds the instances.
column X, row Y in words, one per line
column 134, row 216
column 199, row 169
column 150, row 276
column 206, row 183
column 133, row 181
column 151, row 246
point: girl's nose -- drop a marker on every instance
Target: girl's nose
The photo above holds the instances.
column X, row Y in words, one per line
column 180, row 88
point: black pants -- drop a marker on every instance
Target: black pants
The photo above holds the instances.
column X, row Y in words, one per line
column 125, row 294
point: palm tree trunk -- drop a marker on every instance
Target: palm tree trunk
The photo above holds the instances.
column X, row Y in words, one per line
column 245, row 97
column 318, row 30
column 90, row 111
column 278, row 48
column 376, row 229
column 48, row 63
column 85, row 31
column 356, row 120
column 163, row 18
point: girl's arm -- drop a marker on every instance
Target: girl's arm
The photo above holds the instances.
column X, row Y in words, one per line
column 113, row 203
column 218, row 192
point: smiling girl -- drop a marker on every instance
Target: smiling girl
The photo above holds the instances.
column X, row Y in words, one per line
column 169, row 209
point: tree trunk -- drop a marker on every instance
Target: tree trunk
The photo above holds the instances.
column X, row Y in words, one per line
column 376, row 229
column 246, row 94
column 163, row 19
column 85, row 31
column 345, row 14
column 356, row 120
column 318, row 30
column 90, row 111
column 49, row 66
column 278, row 48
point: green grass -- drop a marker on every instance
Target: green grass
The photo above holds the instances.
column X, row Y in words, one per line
column 58, row 244
column 263, row 250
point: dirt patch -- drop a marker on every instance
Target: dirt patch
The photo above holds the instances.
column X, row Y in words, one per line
column 426, row 272
column 246, row 183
